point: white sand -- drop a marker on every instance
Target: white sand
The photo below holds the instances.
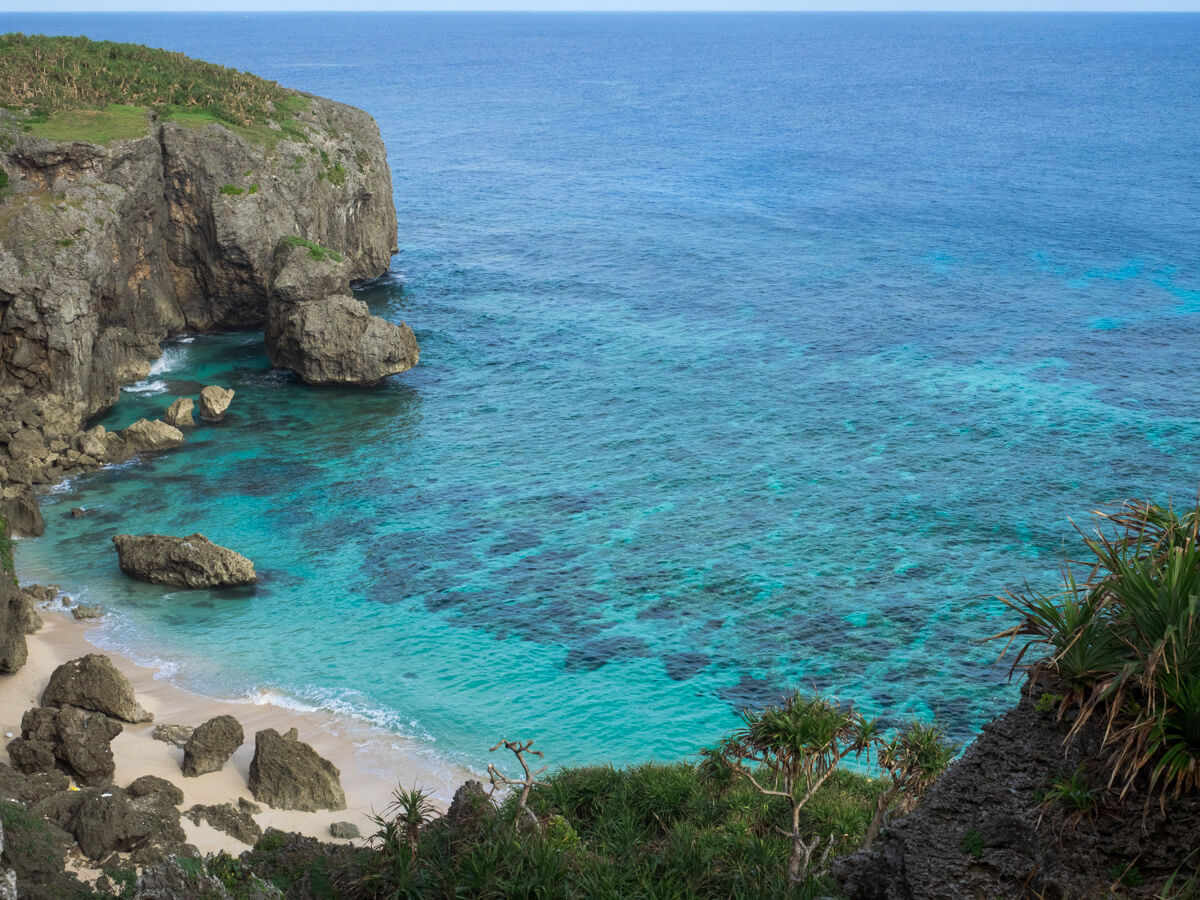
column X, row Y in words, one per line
column 360, row 752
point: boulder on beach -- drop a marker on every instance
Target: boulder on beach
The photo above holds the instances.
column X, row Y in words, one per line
column 69, row 739
column 18, row 617
column 193, row 561
column 85, row 611
column 236, row 823
column 150, row 436
column 93, row 682
column 172, row 734
column 214, row 401
column 17, row 787
column 211, row 745
column 179, row 413
column 337, row 341
column 287, row 773
column 344, row 830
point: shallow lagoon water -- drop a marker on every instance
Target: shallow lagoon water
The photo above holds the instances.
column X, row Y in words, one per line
column 756, row 351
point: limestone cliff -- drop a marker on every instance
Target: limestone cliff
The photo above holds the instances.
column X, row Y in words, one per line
column 105, row 250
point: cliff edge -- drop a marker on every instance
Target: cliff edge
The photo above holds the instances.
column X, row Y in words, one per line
column 164, row 220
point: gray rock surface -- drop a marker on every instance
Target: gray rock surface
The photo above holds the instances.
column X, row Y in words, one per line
column 193, row 561
column 179, row 413
column 287, row 773
column 214, row 402
column 236, row 823
column 109, row 249
column 151, row 436
column 18, row 617
column 976, row 833
column 336, row 340
column 70, row 739
column 142, row 820
column 20, row 509
column 172, row 734
column 211, row 745
column 84, row 611
column 93, row 682
column 169, row 880
column 26, row 790
column 344, row 830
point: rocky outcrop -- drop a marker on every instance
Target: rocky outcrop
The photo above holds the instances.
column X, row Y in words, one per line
column 179, row 413
column 151, row 436
column 77, row 742
column 236, row 823
column 324, row 335
column 344, row 831
column 193, row 561
column 287, row 773
column 214, row 401
column 211, row 745
column 142, row 819
column 105, row 250
column 178, row 735
column 980, row 831
column 17, row 619
column 26, row 790
column 92, row 682
column 19, row 508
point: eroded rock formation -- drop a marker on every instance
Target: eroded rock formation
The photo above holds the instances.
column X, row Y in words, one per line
column 193, row 561
column 92, row 682
column 287, row 773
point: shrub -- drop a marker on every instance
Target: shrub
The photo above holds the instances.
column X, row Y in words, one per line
column 231, row 190
column 1123, row 638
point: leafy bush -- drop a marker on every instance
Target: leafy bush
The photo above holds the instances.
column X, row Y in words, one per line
column 315, row 250
column 231, row 190
column 1123, row 638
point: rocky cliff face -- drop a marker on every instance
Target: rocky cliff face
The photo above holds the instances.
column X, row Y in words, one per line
column 982, row 832
column 107, row 250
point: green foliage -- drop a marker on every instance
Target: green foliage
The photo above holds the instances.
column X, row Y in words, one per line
column 1072, row 791
column 1126, row 875
column 68, row 73
column 66, row 242
column 972, row 843
column 1048, row 702
column 315, row 250
column 1124, row 639
column 232, row 190
column 3, row 179
column 913, row 758
column 336, row 174
column 253, row 189
column 113, row 122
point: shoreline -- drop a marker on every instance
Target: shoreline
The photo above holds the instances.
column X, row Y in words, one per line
column 359, row 750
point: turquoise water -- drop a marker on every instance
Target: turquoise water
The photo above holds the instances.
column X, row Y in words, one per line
column 756, row 351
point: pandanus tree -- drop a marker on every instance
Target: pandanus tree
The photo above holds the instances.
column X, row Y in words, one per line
column 913, row 759
column 788, row 751
column 1122, row 640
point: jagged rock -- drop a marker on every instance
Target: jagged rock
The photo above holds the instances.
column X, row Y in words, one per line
column 249, row 806
column 344, row 830
column 236, row 823
column 40, row 593
column 211, row 745
column 980, row 832
column 36, row 852
column 151, row 435
column 19, row 507
column 142, row 819
column 83, row 611
column 192, row 561
column 76, row 741
column 78, row 512
column 179, row 413
column 158, row 250
column 172, row 734
column 93, row 682
column 18, row 617
column 26, row 790
column 287, row 773
column 338, row 341
column 93, row 442
column 168, row 880
column 301, row 274
column 214, row 401
column 468, row 806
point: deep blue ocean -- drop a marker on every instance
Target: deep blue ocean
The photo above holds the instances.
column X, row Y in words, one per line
column 756, row 351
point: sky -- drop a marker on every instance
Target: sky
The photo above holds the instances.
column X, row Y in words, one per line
column 581, row 5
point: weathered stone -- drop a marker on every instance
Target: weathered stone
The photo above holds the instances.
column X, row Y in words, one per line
column 93, row 442
column 151, row 435
column 214, row 402
column 93, row 682
column 17, row 615
column 69, row 738
column 344, row 830
column 236, row 823
column 83, row 611
column 211, row 745
column 19, row 507
column 193, row 561
column 287, row 773
column 179, row 413
column 142, row 819
column 337, row 341
column 78, row 512
column 172, row 734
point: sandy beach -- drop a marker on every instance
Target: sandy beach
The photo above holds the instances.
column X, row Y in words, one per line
column 372, row 762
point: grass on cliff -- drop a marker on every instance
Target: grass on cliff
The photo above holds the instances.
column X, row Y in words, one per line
column 79, row 89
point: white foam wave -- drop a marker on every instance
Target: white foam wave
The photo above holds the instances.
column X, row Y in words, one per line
column 147, row 387
column 173, row 356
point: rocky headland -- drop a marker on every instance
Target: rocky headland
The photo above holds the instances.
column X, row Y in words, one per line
column 194, row 225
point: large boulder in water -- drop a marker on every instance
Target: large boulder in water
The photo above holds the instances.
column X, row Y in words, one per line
column 214, row 401
column 150, row 436
column 337, row 341
column 287, row 773
column 193, row 561
column 211, row 745
column 93, row 682
column 179, row 413
column 69, row 739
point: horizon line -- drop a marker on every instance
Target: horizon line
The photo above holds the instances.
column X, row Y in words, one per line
column 867, row 10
